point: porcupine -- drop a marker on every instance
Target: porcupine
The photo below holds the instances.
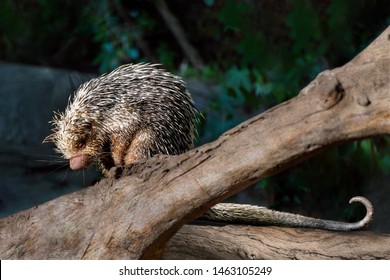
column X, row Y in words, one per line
column 139, row 110
column 125, row 116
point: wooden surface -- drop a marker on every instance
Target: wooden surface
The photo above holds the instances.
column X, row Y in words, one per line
column 274, row 243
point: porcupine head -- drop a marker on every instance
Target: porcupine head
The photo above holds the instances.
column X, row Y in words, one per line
column 125, row 116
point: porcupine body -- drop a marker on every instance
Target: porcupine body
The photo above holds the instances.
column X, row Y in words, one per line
column 127, row 115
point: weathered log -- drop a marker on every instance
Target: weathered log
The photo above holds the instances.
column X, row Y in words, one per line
column 245, row 242
column 135, row 215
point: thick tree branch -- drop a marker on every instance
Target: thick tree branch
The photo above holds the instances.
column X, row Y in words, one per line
column 135, row 215
column 245, row 242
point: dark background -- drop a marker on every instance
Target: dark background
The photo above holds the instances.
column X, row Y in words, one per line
column 249, row 56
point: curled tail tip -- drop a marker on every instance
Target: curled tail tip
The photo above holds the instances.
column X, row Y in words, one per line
column 369, row 209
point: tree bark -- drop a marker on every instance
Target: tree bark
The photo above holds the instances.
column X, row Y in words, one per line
column 133, row 214
column 246, row 242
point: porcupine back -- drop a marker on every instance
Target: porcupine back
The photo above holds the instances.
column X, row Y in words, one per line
column 108, row 113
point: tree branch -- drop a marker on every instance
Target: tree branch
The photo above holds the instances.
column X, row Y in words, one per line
column 177, row 31
column 270, row 243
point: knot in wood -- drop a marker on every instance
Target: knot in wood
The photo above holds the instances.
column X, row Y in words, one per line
column 333, row 96
column 363, row 100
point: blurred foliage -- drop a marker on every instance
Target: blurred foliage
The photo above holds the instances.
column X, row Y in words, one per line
column 256, row 53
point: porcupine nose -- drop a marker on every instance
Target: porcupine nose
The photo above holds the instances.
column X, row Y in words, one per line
column 79, row 161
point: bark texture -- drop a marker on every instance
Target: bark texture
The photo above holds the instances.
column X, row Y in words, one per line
column 133, row 214
column 245, row 242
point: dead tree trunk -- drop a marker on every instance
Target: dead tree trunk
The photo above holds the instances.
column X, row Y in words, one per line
column 247, row 242
column 136, row 214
